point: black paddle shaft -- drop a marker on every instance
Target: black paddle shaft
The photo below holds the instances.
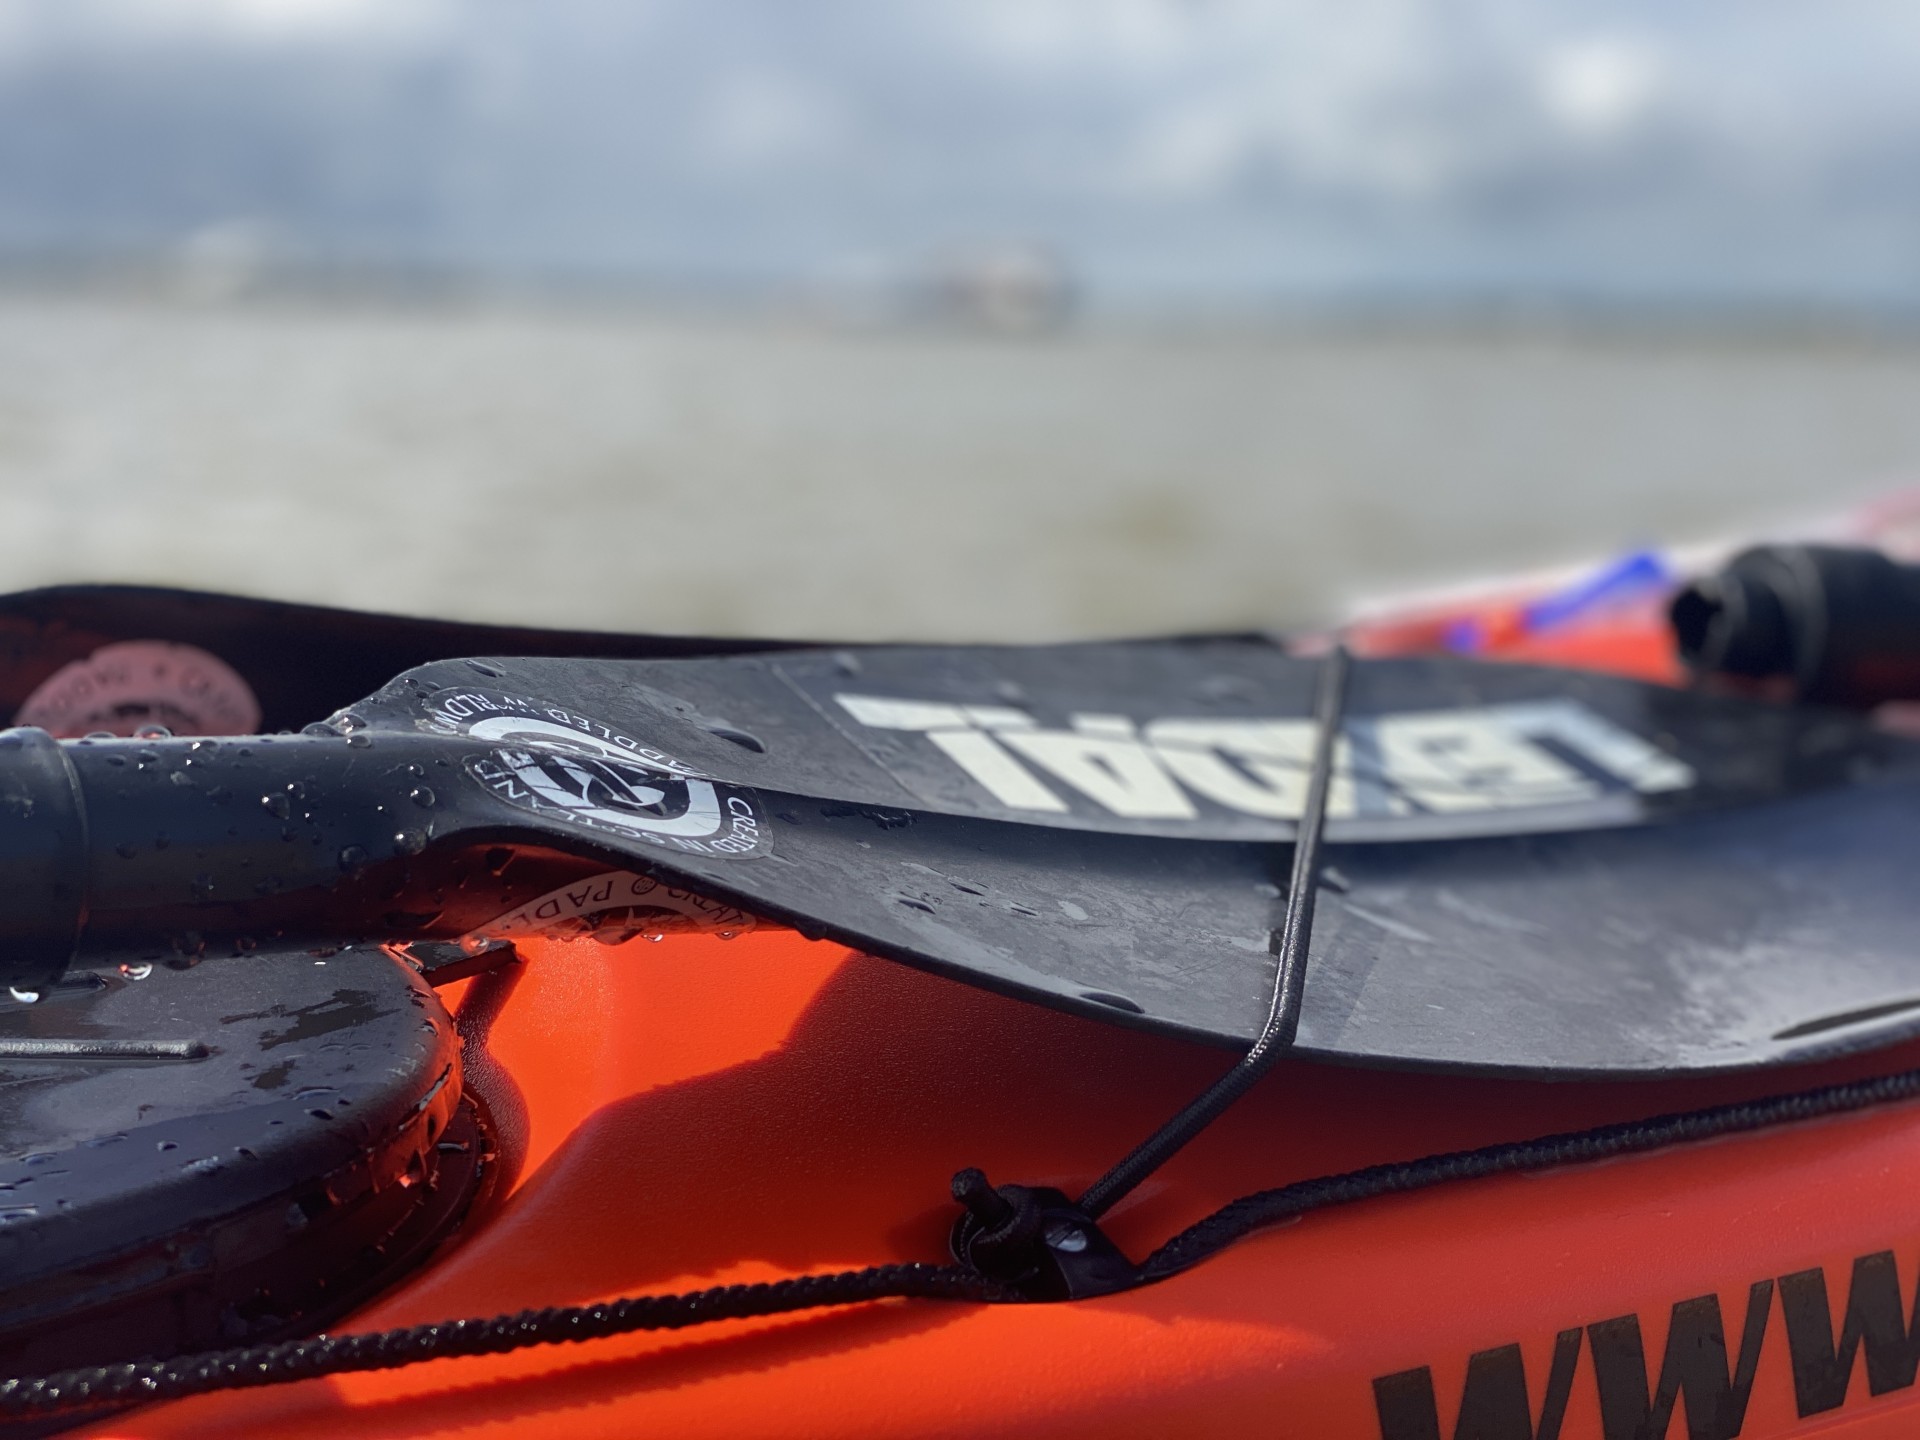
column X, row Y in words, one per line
column 142, row 851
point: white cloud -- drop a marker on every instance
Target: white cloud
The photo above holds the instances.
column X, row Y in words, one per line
column 1599, row 86
column 1380, row 103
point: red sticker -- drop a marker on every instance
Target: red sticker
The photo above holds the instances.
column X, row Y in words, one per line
column 126, row 687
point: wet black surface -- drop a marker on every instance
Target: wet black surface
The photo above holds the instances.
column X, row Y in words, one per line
column 1533, row 749
column 193, row 1157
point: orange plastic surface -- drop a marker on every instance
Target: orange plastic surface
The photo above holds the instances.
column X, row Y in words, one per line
column 697, row 1112
column 1631, row 640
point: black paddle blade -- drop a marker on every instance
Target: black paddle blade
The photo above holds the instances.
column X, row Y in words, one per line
column 1748, row 905
column 1559, row 874
column 1188, row 740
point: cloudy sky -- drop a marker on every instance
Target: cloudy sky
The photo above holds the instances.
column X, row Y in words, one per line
column 1167, row 150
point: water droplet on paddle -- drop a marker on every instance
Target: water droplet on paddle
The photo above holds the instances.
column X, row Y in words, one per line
column 745, row 739
column 422, row 796
column 409, row 842
column 276, row 805
column 353, row 859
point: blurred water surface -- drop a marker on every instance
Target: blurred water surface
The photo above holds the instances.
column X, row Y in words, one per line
column 619, row 469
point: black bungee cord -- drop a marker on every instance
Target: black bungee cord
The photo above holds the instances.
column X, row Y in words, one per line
column 1029, row 1237
column 1290, row 969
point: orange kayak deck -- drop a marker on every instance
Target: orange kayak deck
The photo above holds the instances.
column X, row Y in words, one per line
column 696, row 1112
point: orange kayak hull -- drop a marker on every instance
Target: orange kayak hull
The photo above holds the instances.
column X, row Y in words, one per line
column 696, row 1112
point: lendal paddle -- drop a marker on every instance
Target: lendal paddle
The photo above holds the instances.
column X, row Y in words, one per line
column 1526, row 870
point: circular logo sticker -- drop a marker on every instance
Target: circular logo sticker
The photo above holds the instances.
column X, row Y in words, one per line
column 615, row 907
column 562, row 764
column 123, row 687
